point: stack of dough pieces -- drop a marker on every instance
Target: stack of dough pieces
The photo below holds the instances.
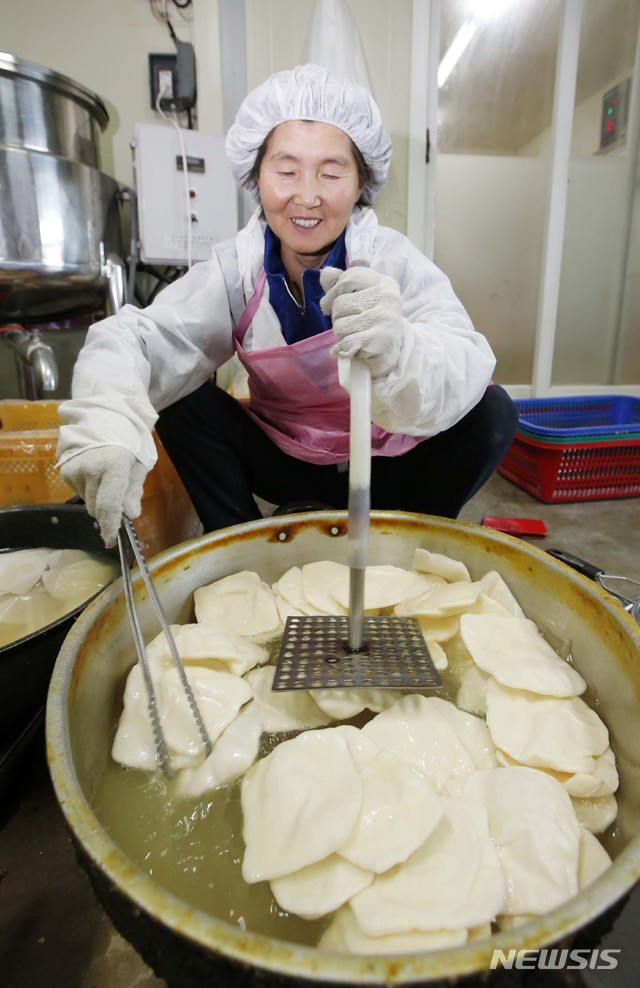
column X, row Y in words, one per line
column 432, row 822
column 39, row 586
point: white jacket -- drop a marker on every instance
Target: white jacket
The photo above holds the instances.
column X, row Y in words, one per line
column 139, row 361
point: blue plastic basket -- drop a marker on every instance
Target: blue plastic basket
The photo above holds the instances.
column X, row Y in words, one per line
column 593, row 416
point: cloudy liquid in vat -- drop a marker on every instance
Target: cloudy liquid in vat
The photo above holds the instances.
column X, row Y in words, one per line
column 194, row 849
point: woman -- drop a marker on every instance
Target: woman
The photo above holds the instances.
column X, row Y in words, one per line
column 311, row 147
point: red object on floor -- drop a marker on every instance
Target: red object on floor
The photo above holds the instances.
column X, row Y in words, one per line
column 515, row 526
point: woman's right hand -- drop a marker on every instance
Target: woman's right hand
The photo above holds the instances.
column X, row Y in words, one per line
column 109, row 480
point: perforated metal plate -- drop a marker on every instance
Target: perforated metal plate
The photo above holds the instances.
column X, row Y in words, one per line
column 314, row 655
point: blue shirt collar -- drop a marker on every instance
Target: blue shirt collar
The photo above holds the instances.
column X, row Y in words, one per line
column 336, row 258
column 298, row 323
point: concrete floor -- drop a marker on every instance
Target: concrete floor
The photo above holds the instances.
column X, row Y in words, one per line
column 52, row 930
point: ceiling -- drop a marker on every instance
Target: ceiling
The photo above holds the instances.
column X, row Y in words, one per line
column 499, row 96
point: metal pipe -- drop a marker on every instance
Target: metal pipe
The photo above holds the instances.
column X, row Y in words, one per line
column 35, row 361
column 115, row 297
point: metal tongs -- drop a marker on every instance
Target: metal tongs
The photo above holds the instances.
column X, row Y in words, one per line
column 129, row 549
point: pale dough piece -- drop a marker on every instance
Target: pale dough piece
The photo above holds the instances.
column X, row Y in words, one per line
column 513, row 651
column 299, row 805
column 562, row 733
column 133, row 744
column 513, row 922
column 433, row 738
column 344, row 704
column 384, row 586
column 219, row 696
column 439, row 629
column 77, row 578
column 34, row 609
column 285, row 609
column 496, row 589
column 399, row 811
column 289, row 710
column 320, row 888
column 487, row 605
column 22, row 569
column 438, row 654
column 440, row 565
column 233, row 753
column 320, row 583
column 458, row 656
column 440, row 602
column 211, row 645
column 291, row 588
column 603, row 781
column 534, row 827
column 361, row 748
column 242, row 603
column 344, row 936
column 472, row 692
column 596, row 815
column 453, row 881
column 593, row 861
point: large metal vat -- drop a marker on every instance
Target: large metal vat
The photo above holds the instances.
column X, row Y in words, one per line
column 59, row 214
column 189, row 947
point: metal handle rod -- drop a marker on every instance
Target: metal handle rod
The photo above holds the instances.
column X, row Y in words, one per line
column 359, row 495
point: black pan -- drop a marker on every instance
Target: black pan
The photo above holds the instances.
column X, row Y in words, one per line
column 26, row 664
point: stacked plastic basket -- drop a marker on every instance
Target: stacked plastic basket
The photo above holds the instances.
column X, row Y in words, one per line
column 576, row 449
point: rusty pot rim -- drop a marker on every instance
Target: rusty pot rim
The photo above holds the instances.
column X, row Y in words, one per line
column 277, row 956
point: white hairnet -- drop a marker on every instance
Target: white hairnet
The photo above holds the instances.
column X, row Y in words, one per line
column 309, row 92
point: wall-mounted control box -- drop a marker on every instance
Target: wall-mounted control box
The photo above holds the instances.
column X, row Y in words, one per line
column 162, row 195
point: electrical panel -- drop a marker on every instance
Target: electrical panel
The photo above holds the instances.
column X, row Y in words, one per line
column 615, row 104
column 163, row 206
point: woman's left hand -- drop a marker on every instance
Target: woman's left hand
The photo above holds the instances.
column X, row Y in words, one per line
column 365, row 309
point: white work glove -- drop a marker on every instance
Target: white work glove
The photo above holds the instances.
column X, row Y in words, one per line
column 365, row 309
column 109, row 480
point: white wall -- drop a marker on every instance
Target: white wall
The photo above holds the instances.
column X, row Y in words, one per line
column 592, row 256
column 489, row 228
column 104, row 45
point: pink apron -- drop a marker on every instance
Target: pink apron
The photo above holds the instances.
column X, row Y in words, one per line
column 297, row 399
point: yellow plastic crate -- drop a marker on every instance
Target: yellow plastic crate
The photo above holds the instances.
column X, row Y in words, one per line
column 28, row 439
column 28, row 475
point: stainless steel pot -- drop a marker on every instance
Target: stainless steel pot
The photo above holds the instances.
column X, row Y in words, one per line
column 189, row 947
column 59, row 218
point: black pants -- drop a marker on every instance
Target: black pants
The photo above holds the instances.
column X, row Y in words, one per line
column 224, row 458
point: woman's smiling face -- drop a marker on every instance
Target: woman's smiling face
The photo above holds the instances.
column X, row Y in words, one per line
column 308, row 184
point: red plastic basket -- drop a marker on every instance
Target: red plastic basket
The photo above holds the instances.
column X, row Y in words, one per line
column 555, row 473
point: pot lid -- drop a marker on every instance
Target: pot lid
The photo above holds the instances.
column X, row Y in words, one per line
column 11, row 65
